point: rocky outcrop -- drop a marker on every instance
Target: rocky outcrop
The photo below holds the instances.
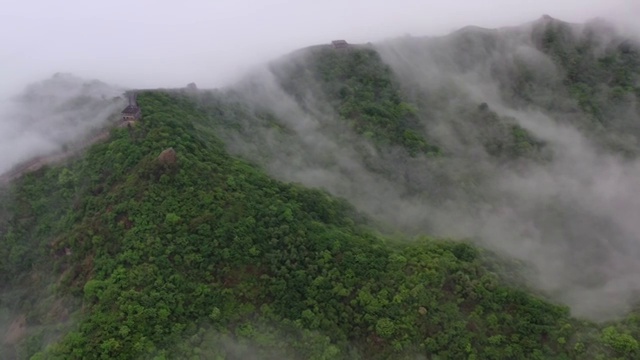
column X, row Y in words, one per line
column 168, row 157
column 17, row 330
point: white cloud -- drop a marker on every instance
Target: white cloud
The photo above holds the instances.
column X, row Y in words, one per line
column 166, row 43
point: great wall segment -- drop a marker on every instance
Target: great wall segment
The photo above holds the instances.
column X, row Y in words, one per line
column 128, row 117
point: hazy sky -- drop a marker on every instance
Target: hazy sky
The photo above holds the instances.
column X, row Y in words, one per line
column 155, row 43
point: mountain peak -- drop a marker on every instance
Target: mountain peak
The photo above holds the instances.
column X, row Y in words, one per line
column 546, row 17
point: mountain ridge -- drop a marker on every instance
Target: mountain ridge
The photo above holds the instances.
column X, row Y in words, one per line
column 285, row 226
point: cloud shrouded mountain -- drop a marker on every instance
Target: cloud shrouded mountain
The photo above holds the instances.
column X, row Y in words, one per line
column 525, row 138
column 49, row 114
column 183, row 234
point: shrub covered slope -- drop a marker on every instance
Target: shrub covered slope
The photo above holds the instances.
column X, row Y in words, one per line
column 127, row 254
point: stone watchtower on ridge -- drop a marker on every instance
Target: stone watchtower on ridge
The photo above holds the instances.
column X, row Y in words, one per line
column 132, row 111
column 340, row 44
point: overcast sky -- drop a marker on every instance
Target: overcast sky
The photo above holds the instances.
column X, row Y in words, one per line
column 159, row 43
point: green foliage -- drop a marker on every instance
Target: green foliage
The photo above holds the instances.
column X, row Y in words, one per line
column 622, row 343
column 599, row 75
column 501, row 137
column 211, row 258
column 363, row 91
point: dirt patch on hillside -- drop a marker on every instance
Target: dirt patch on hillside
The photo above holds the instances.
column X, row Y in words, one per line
column 17, row 330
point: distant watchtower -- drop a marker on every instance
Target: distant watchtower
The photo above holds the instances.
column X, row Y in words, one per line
column 132, row 111
column 339, row 44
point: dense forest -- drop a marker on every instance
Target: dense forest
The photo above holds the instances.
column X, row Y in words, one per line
column 198, row 232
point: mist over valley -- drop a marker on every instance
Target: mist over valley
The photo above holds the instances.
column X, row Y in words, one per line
column 472, row 194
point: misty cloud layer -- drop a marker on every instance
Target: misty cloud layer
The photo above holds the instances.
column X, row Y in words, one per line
column 210, row 42
column 47, row 115
column 574, row 218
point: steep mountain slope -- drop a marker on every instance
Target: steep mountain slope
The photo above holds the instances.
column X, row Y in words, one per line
column 361, row 90
column 163, row 243
column 203, row 255
column 530, row 135
column 63, row 109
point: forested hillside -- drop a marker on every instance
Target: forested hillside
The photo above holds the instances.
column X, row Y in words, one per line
column 442, row 198
column 516, row 159
column 204, row 255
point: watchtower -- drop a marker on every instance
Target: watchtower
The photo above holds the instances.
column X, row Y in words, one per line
column 132, row 111
column 339, row 44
